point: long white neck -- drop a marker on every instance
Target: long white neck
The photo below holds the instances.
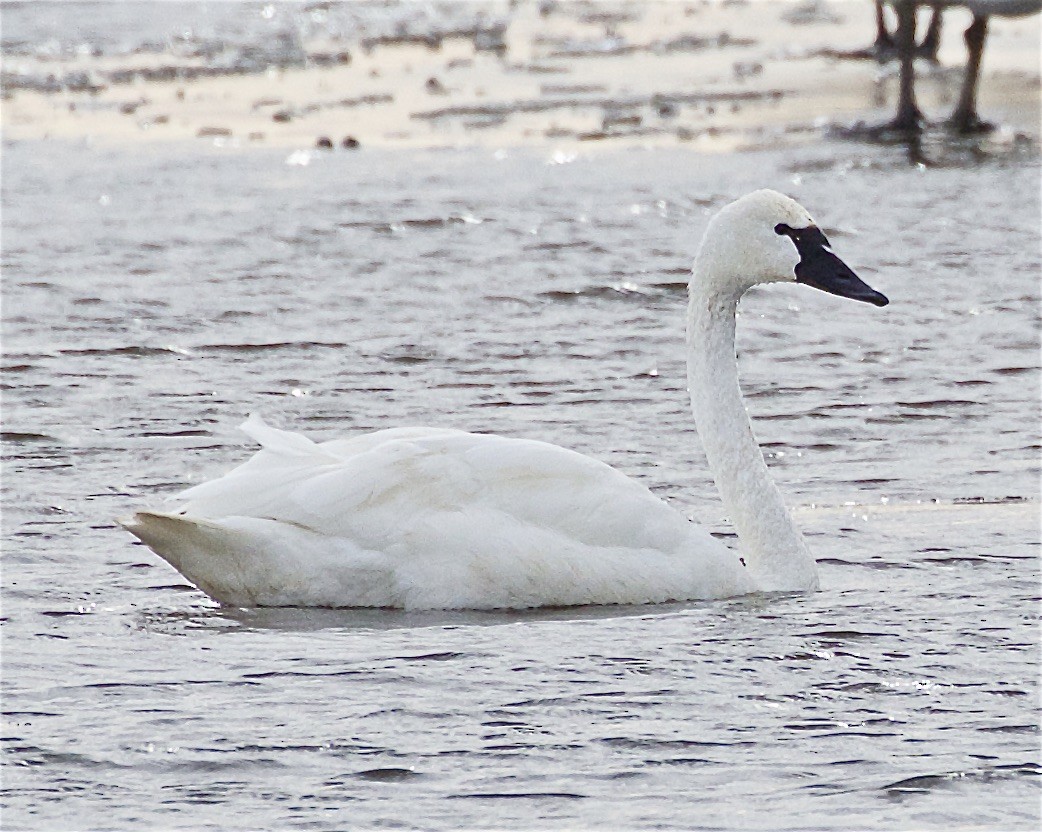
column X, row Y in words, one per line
column 771, row 543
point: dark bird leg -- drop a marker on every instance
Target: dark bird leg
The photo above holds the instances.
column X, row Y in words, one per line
column 884, row 44
column 909, row 117
column 932, row 41
column 965, row 119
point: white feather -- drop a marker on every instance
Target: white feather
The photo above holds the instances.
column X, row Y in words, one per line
column 423, row 518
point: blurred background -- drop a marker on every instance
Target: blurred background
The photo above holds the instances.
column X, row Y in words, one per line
column 717, row 75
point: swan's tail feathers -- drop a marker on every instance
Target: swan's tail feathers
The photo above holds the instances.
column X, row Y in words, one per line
column 273, row 439
column 259, row 562
column 209, row 554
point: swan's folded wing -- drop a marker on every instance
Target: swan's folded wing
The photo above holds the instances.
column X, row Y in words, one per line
column 436, row 519
column 263, row 486
column 576, row 495
column 479, row 481
column 396, row 488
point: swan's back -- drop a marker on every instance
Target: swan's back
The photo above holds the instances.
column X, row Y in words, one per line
column 432, row 518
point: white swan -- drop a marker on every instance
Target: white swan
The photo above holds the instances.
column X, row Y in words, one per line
column 424, row 518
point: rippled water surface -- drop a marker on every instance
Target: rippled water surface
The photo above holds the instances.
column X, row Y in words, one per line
column 154, row 297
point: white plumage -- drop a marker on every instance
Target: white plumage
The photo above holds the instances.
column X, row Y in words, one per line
column 424, row 518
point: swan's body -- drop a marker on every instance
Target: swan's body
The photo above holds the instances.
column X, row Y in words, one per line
column 424, row 518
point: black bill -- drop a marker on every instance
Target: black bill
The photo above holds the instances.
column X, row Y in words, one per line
column 820, row 268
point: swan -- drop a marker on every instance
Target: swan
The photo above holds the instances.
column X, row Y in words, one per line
column 430, row 518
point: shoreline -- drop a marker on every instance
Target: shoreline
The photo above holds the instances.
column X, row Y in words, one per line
column 718, row 77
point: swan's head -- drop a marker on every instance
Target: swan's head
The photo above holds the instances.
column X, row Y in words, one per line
column 765, row 237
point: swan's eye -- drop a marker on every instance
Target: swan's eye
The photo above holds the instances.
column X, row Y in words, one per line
column 782, row 229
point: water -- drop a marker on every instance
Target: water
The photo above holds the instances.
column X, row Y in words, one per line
column 153, row 296
column 208, row 30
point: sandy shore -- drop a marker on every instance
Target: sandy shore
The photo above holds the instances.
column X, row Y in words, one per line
column 717, row 75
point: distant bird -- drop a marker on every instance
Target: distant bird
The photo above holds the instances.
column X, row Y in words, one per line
column 964, row 119
column 885, row 47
